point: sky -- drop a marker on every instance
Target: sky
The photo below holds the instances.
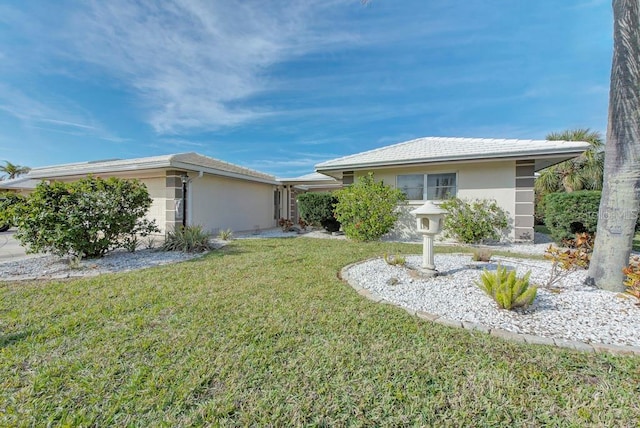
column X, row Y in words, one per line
column 281, row 85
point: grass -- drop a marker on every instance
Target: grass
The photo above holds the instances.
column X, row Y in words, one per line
column 636, row 242
column 264, row 333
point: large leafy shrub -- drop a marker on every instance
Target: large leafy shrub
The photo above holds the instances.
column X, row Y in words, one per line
column 317, row 209
column 367, row 209
column 85, row 218
column 569, row 213
column 475, row 221
column 507, row 289
column 9, row 203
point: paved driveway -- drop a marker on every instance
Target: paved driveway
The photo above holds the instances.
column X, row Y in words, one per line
column 10, row 249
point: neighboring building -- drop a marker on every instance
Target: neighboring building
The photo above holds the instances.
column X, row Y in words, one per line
column 292, row 187
column 435, row 168
column 187, row 188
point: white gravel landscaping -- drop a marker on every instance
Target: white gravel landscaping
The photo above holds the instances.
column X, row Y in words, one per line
column 573, row 311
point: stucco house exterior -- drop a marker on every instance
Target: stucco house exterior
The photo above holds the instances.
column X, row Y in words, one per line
column 187, row 188
column 434, row 168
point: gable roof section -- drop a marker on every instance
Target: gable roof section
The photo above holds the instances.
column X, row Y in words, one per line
column 447, row 149
column 184, row 161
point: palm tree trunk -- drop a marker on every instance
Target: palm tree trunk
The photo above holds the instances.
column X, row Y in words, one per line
column 621, row 188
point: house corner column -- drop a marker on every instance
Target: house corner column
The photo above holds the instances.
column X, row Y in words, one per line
column 173, row 215
column 525, row 201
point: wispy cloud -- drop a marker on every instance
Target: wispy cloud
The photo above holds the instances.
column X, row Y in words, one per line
column 193, row 62
column 39, row 115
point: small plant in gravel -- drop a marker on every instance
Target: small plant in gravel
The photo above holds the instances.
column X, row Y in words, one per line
column 564, row 262
column 481, row 255
column 189, row 239
column 632, row 282
column 225, row 234
column 396, row 260
column 285, row 224
column 508, row 290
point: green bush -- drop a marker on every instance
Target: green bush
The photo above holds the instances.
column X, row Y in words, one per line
column 189, row 239
column 506, row 289
column 317, row 209
column 367, row 209
column 473, row 222
column 9, row 203
column 85, row 218
column 569, row 213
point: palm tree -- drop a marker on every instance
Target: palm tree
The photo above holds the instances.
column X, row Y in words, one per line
column 12, row 171
column 584, row 172
column 620, row 196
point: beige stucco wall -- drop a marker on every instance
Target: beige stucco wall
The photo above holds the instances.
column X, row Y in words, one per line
column 218, row 203
column 156, row 188
column 480, row 180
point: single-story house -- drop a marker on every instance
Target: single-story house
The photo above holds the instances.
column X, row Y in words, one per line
column 435, row 168
column 187, row 188
column 192, row 189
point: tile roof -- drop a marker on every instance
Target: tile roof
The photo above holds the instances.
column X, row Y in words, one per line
column 187, row 161
column 442, row 149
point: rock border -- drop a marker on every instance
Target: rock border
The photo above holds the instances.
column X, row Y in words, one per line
column 598, row 348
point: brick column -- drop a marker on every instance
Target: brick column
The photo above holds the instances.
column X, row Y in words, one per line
column 174, row 199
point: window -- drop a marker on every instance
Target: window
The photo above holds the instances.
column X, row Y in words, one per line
column 437, row 186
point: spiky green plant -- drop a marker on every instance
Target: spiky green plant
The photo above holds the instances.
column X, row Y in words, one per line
column 189, row 239
column 506, row 289
column 225, row 234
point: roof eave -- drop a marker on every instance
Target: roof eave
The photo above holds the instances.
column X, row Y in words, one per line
column 423, row 161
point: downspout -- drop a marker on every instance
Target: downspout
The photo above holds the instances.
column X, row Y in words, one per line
column 185, row 180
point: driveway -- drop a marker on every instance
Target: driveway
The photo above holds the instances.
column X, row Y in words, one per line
column 10, row 249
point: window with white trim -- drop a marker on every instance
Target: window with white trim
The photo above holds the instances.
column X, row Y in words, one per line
column 431, row 187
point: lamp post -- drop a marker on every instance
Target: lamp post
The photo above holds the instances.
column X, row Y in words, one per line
column 429, row 219
column 185, row 180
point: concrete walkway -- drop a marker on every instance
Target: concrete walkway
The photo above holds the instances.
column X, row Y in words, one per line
column 10, row 248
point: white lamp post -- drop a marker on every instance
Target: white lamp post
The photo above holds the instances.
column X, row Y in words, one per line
column 429, row 218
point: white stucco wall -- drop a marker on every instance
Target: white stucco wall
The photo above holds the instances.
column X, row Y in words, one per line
column 218, row 203
column 480, row 180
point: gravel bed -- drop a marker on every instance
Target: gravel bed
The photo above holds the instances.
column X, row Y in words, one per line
column 571, row 311
column 48, row 267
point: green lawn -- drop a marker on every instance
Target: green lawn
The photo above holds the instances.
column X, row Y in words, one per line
column 264, row 332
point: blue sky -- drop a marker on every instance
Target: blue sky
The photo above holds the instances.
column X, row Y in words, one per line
column 281, row 85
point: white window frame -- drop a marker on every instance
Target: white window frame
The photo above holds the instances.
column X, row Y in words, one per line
column 425, row 189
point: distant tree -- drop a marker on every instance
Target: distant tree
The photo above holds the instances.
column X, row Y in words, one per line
column 582, row 173
column 621, row 188
column 12, row 170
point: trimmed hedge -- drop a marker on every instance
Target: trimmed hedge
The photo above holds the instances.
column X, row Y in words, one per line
column 569, row 213
column 317, row 209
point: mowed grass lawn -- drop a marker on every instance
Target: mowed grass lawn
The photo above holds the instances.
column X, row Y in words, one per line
column 264, row 333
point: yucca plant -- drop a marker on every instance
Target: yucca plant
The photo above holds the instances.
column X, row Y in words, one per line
column 225, row 234
column 506, row 289
column 189, row 239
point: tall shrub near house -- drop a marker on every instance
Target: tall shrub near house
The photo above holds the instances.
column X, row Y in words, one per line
column 9, row 203
column 317, row 209
column 472, row 222
column 569, row 213
column 86, row 218
column 367, row 209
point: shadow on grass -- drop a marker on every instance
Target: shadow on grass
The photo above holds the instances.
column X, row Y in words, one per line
column 10, row 339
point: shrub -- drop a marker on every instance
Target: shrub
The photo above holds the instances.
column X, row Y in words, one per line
column 473, row 222
column 565, row 261
column 569, row 213
column 367, row 209
column 9, row 203
column 225, row 235
column 188, row 239
column 317, row 209
column 632, row 281
column 85, row 218
column 396, row 260
column 285, row 224
column 481, row 255
column 506, row 289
